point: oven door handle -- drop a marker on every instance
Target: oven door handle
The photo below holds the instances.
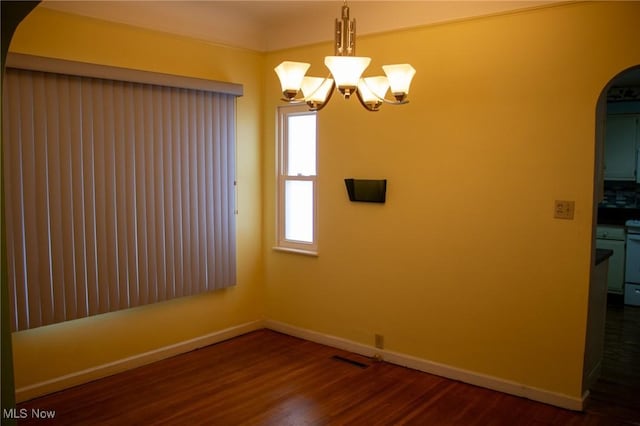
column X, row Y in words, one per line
column 633, row 237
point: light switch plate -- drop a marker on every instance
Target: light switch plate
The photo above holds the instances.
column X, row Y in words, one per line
column 564, row 209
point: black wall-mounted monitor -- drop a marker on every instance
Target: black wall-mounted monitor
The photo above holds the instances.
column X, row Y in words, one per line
column 367, row 190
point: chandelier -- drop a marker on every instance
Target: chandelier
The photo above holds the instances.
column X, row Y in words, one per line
column 345, row 74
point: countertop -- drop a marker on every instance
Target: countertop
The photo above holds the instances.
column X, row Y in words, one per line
column 602, row 255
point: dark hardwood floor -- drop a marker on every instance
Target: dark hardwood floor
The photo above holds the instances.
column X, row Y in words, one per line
column 267, row 378
column 616, row 394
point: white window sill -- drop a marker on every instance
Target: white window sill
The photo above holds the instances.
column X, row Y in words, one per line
column 297, row 251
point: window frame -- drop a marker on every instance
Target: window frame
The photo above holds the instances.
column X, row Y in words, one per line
column 282, row 177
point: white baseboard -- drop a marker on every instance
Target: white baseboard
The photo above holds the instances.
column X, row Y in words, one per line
column 84, row 376
column 466, row 376
column 588, row 380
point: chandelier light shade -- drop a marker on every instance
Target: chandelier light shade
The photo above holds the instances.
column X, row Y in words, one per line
column 291, row 75
column 316, row 91
column 400, row 77
column 346, row 71
column 371, row 90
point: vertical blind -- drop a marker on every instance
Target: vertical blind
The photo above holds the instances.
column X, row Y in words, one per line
column 118, row 194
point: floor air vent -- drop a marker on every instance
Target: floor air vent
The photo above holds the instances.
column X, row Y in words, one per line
column 350, row 361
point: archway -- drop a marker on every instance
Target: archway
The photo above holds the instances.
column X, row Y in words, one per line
column 619, row 98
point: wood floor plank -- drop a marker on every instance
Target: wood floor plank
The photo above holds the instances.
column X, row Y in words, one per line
column 267, row 378
column 616, row 394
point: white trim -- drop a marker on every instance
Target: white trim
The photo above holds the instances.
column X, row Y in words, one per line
column 296, row 251
column 490, row 382
column 84, row 69
column 443, row 370
column 84, row 376
column 323, row 339
column 590, row 379
column 282, row 132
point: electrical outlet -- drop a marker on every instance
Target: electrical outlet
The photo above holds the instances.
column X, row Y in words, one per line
column 564, row 209
column 379, row 341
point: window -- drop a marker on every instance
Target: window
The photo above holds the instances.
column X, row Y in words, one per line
column 119, row 194
column 297, row 179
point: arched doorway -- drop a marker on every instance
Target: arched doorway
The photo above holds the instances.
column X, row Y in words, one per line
column 616, row 200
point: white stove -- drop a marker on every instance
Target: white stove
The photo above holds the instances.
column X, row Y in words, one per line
column 633, row 226
column 632, row 264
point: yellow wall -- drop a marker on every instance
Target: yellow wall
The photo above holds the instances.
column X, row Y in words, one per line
column 464, row 265
column 50, row 352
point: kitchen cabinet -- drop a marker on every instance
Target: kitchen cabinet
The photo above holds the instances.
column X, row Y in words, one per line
column 621, row 147
column 594, row 343
column 613, row 238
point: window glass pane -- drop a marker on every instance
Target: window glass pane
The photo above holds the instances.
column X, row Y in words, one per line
column 301, row 155
column 298, row 211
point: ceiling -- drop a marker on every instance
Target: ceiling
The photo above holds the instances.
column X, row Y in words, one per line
column 274, row 25
column 267, row 25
